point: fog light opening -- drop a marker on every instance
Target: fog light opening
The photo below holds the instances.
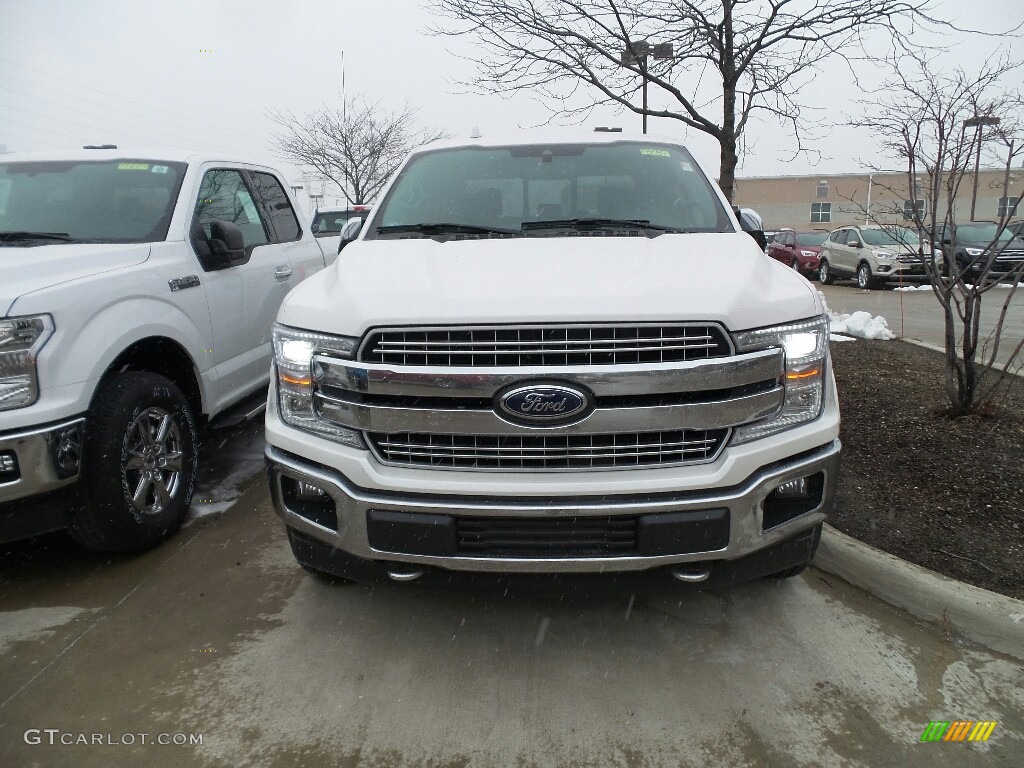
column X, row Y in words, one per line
column 792, row 499
column 794, row 489
column 9, row 470
column 310, row 502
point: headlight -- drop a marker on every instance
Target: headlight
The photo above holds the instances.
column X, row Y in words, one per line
column 881, row 255
column 974, row 251
column 808, row 254
column 806, row 347
column 21, row 338
column 293, row 361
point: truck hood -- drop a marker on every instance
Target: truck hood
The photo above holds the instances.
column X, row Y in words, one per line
column 26, row 270
column 720, row 277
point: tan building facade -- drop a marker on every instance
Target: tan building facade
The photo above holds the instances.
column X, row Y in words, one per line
column 830, row 201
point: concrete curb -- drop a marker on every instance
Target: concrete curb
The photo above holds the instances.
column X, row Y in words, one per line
column 942, row 351
column 977, row 614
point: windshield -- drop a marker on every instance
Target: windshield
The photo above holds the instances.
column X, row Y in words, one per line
column 890, row 237
column 326, row 223
column 110, row 201
column 982, row 232
column 536, row 188
column 811, row 238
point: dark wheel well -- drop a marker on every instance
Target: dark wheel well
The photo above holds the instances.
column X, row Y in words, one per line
column 158, row 354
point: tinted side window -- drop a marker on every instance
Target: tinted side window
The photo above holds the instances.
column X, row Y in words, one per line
column 225, row 196
column 282, row 217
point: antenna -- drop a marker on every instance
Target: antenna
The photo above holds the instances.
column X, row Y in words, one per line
column 344, row 100
column 475, row 133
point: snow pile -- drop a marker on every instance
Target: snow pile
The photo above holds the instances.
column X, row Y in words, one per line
column 925, row 287
column 859, row 324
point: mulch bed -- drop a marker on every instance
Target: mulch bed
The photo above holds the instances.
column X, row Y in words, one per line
column 947, row 494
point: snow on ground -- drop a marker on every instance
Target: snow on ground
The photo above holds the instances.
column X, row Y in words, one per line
column 906, row 288
column 859, row 324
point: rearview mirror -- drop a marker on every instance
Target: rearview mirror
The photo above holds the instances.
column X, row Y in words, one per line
column 350, row 232
column 853, row 243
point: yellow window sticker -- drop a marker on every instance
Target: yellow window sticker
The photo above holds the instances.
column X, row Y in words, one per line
column 655, row 152
column 133, row 166
column 160, row 169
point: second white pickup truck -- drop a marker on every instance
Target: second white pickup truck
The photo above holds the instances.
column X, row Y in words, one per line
column 137, row 296
column 553, row 359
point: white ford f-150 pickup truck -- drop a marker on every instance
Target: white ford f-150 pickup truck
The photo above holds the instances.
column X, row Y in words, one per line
column 550, row 361
column 137, row 297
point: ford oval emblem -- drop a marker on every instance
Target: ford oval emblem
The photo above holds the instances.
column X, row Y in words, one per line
column 544, row 403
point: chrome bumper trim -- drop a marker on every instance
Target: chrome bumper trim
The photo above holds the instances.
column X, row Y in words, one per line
column 603, row 381
column 744, row 503
column 456, row 421
column 35, row 449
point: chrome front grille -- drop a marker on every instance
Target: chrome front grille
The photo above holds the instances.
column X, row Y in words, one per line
column 548, row 452
column 563, row 345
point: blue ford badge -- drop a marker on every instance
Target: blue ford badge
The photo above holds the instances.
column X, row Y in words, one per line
column 544, row 403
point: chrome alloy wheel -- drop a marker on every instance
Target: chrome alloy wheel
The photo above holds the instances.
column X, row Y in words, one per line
column 153, row 461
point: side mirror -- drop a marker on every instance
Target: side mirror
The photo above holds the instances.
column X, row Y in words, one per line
column 853, row 243
column 350, row 232
column 224, row 248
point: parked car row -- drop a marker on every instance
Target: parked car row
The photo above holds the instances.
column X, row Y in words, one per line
column 876, row 256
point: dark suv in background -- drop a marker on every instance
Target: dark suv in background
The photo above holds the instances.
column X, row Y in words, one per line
column 971, row 246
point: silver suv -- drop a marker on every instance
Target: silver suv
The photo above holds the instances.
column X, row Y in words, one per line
column 873, row 255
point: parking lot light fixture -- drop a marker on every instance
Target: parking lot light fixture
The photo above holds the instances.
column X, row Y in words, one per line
column 977, row 123
column 637, row 53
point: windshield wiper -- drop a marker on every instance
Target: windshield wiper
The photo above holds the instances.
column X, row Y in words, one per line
column 589, row 224
column 62, row 236
column 445, row 228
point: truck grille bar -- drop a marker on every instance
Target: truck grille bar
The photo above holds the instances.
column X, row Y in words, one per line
column 545, row 452
column 496, row 346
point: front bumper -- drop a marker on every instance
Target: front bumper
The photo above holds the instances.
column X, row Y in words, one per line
column 40, row 459
column 346, row 537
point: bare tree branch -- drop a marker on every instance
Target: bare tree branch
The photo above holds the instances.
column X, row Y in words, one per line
column 358, row 147
column 762, row 51
column 937, row 124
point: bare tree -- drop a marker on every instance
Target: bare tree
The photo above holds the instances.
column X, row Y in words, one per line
column 936, row 125
column 760, row 53
column 358, row 147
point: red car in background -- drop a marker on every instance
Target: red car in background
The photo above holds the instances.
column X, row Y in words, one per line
column 798, row 250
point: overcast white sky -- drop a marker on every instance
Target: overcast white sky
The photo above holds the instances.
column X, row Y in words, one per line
column 201, row 74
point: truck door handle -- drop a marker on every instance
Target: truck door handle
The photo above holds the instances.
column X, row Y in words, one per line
column 283, row 273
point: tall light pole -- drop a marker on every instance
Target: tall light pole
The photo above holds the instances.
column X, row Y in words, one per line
column 977, row 122
column 637, row 53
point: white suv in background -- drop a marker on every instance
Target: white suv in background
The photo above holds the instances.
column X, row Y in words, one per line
column 873, row 255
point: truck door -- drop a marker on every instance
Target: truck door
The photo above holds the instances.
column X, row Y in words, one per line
column 243, row 298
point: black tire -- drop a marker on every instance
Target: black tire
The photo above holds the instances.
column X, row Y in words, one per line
column 865, row 281
column 824, row 272
column 796, row 570
column 795, row 265
column 138, row 465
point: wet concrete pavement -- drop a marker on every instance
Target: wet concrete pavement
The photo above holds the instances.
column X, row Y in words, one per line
column 219, row 633
column 917, row 315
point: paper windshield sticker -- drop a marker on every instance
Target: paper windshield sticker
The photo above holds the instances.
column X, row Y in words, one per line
column 133, row 166
column 686, row 166
column 160, row 169
column 655, row 152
